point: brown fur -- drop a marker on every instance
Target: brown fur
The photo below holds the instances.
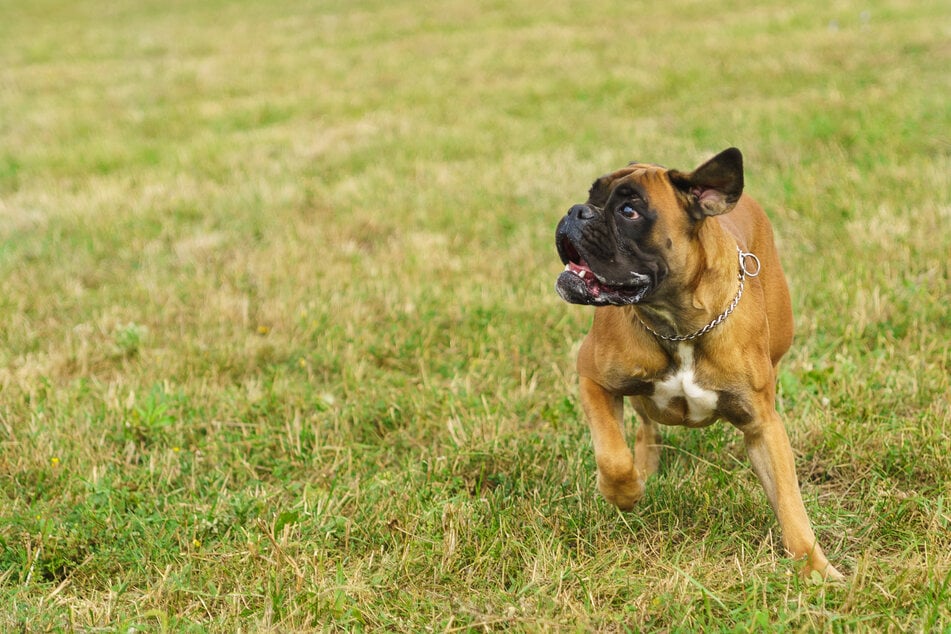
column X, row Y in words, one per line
column 736, row 361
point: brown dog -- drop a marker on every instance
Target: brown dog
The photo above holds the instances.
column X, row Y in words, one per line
column 693, row 316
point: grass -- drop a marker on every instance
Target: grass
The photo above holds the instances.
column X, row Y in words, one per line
column 280, row 349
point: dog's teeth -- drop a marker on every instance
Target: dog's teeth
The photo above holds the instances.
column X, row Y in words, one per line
column 581, row 274
column 567, row 267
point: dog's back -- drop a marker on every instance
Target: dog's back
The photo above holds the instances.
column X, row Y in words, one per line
column 748, row 224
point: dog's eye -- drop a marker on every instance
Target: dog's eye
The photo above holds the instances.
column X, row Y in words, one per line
column 628, row 211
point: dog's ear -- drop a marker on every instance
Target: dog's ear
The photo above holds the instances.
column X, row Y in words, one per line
column 714, row 187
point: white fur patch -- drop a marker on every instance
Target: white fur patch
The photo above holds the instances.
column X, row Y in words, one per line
column 701, row 402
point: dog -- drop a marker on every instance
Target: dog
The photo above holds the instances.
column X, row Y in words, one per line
column 692, row 317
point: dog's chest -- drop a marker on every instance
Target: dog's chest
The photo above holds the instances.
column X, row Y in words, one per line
column 679, row 395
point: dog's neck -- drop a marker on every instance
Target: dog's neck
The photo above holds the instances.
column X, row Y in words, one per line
column 706, row 286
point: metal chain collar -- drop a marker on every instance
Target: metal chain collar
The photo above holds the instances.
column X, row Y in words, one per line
column 744, row 272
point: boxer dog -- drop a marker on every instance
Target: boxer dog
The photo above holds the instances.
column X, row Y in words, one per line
column 693, row 315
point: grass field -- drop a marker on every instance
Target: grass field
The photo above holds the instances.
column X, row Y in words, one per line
column 280, row 349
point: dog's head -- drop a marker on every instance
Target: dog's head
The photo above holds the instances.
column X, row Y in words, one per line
column 620, row 246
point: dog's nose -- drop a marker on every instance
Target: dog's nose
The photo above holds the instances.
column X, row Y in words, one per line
column 581, row 212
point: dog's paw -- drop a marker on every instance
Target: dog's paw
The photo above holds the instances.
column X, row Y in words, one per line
column 623, row 493
column 821, row 572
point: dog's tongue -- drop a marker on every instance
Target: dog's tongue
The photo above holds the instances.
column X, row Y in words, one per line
column 577, row 284
column 582, row 270
column 579, row 268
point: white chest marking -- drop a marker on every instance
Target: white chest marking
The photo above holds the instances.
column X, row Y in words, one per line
column 701, row 402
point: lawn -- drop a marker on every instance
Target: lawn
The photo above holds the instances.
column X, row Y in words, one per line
column 280, row 349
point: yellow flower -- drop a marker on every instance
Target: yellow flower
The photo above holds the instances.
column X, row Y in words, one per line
column 196, row 543
column 54, row 461
column 263, row 330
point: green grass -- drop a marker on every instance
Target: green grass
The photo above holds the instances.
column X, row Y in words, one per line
column 280, row 349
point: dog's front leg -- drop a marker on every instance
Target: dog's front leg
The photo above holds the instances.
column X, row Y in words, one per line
column 772, row 460
column 618, row 480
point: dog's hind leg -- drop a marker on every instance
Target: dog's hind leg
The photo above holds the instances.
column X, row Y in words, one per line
column 773, row 462
column 646, row 443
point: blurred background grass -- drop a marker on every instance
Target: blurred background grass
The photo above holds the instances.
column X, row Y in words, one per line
column 280, row 348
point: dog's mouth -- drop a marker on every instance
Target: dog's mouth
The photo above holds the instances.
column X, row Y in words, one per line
column 579, row 284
